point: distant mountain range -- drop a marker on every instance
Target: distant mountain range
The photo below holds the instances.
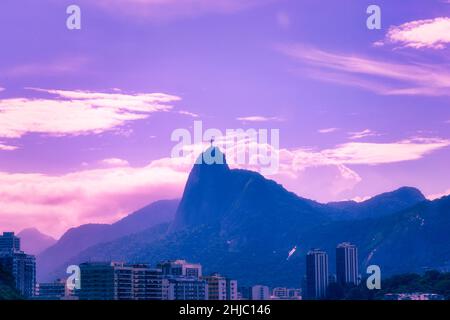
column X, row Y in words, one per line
column 32, row 241
column 80, row 238
column 243, row 225
column 380, row 205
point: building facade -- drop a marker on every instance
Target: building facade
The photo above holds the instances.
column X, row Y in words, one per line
column 20, row 265
column 260, row 292
column 413, row 296
column 51, row 290
column 347, row 272
column 97, row 281
column 8, row 242
column 171, row 280
column 316, row 274
column 283, row 293
column 244, row 293
column 180, row 268
column 221, row 288
column 149, row 283
column 120, row 281
column 187, row 288
column 232, row 289
column 217, row 287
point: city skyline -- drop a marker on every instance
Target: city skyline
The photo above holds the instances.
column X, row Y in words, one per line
column 86, row 115
column 179, row 279
column 113, row 280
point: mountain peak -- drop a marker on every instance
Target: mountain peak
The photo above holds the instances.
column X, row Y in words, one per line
column 407, row 195
column 383, row 204
column 409, row 192
column 31, row 230
column 212, row 156
column 205, row 190
column 33, row 241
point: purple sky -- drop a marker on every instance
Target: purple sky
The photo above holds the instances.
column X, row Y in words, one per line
column 86, row 115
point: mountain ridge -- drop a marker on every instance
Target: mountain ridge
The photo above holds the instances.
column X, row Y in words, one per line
column 32, row 241
column 243, row 225
column 379, row 205
column 80, row 238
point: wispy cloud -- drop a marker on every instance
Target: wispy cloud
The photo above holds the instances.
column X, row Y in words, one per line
column 336, row 161
column 370, row 74
column 362, row 134
column 327, row 130
column 6, row 147
column 429, row 33
column 58, row 66
column 77, row 112
column 382, row 153
column 258, row 119
column 188, row 113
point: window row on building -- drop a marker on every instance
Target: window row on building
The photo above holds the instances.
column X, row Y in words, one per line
column 170, row 280
column 20, row 265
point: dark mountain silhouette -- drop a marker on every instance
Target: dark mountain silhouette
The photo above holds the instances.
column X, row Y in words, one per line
column 207, row 193
column 77, row 239
column 413, row 240
column 380, row 205
column 222, row 198
column 32, row 241
column 243, row 225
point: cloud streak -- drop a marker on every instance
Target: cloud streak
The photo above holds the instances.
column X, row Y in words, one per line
column 383, row 153
column 258, row 119
column 6, row 147
column 327, row 130
column 362, row 134
column 77, row 112
column 366, row 153
column 370, row 74
column 61, row 66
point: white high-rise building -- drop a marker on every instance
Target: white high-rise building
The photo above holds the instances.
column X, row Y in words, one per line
column 316, row 274
column 347, row 264
column 221, row 288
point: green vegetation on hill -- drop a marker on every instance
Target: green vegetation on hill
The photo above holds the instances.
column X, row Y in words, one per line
column 429, row 282
column 7, row 290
